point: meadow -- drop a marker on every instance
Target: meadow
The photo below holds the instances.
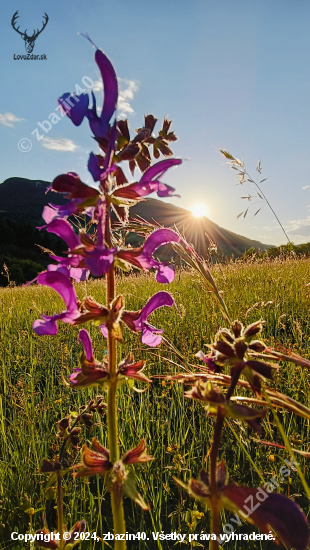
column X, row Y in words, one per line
column 34, row 396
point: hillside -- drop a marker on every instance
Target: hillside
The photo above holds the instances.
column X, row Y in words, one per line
column 22, row 200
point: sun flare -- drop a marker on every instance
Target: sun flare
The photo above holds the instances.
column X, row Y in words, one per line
column 199, row 209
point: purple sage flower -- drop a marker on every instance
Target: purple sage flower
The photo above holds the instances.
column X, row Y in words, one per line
column 90, row 371
column 138, row 320
column 149, row 182
column 58, row 281
column 76, row 107
column 142, row 257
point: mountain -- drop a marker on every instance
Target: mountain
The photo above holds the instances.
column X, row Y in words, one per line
column 22, row 200
column 195, row 230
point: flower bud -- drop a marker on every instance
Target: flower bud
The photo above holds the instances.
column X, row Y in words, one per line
column 63, row 424
column 257, row 345
column 253, row 329
column 225, row 334
column 237, row 327
column 224, row 348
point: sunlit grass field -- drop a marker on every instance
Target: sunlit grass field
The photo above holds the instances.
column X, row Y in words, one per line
column 178, row 433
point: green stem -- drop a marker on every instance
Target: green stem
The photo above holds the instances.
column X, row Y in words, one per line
column 215, row 518
column 117, row 507
column 60, row 519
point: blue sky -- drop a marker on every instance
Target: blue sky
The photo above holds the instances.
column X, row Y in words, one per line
column 231, row 74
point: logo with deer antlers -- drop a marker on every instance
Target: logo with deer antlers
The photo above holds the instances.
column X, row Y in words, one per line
column 29, row 40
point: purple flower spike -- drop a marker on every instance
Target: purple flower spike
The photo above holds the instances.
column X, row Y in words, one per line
column 137, row 321
column 58, row 281
column 74, row 106
column 87, row 345
column 100, row 125
column 90, row 371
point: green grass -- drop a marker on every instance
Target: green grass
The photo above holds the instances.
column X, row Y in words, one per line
column 34, row 396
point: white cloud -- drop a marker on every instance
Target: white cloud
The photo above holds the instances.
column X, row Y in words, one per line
column 300, row 228
column 8, row 118
column 306, row 187
column 126, row 91
column 59, row 144
column 97, row 86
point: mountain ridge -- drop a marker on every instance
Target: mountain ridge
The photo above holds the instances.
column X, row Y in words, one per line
column 16, row 193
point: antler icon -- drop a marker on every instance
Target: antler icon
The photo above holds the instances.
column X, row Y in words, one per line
column 29, row 40
column 15, row 16
column 35, row 36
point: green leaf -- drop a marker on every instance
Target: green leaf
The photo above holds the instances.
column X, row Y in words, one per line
column 130, row 490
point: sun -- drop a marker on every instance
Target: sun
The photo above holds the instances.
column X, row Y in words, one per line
column 199, row 209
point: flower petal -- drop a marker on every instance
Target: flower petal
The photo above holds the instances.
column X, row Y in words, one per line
column 158, row 238
column 149, row 182
column 63, row 286
column 99, row 261
column 64, row 230
column 74, row 106
column 158, row 300
column 52, row 544
column 87, row 344
column 151, row 338
column 275, row 511
column 137, row 454
column 48, row 325
column 72, row 185
column 93, row 463
column 165, row 274
column 93, row 167
column 100, row 125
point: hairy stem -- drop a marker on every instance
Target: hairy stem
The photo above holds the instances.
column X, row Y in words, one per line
column 60, row 519
column 117, row 507
column 215, row 519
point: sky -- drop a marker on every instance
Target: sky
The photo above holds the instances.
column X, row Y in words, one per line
column 230, row 74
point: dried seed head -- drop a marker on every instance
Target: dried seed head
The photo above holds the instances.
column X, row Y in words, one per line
column 237, row 328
